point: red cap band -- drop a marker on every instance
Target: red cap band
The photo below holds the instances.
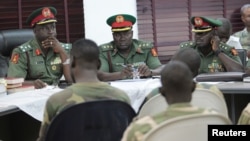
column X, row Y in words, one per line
column 121, row 24
column 41, row 17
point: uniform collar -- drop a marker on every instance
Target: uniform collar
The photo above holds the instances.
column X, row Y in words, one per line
column 135, row 49
column 180, row 105
column 245, row 32
column 37, row 49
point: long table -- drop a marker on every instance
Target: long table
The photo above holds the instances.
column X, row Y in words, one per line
column 30, row 105
column 21, row 113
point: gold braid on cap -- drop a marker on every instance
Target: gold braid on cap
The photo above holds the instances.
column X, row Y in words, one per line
column 201, row 30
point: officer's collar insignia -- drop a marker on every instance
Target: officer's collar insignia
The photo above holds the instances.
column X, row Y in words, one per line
column 38, row 52
column 198, row 21
column 154, row 53
column 119, row 19
column 15, row 58
column 46, row 12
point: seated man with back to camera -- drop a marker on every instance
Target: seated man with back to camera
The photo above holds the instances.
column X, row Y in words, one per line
column 42, row 60
column 121, row 55
column 84, row 67
column 177, row 87
column 216, row 56
column 192, row 59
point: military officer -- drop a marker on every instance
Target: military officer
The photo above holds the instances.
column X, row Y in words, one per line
column 119, row 56
column 244, row 34
column 216, row 56
column 42, row 60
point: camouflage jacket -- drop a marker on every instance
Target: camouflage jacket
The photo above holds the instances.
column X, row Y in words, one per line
column 138, row 129
column 245, row 116
column 78, row 93
column 244, row 38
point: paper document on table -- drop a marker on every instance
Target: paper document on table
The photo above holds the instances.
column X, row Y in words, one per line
column 234, row 42
column 31, row 102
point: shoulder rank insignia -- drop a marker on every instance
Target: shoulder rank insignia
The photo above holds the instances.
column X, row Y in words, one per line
column 154, row 53
column 14, row 58
column 234, row 51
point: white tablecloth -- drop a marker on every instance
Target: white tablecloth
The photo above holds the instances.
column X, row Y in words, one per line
column 33, row 102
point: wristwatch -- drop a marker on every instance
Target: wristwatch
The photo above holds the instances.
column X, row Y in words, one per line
column 217, row 52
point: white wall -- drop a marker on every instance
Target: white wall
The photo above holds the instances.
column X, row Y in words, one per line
column 96, row 13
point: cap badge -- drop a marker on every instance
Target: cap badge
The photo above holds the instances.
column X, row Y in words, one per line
column 119, row 19
column 46, row 12
column 198, row 21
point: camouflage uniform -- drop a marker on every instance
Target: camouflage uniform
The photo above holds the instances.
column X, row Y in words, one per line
column 139, row 128
column 29, row 62
column 244, row 40
column 212, row 63
column 78, row 93
column 212, row 88
column 141, row 52
column 245, row 116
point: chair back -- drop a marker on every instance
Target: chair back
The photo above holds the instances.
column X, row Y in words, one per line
column 191, row 128
column 11, row 38
column 208, row 99
column 203, row 98
column 243, row 56
column 153, row 106
column 102, row 120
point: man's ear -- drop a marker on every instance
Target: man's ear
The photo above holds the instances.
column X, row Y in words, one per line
column 73, row 63
column 34, row 30
column 99, row 64
column 162, row 92
column 242, row 18
column 193, row 86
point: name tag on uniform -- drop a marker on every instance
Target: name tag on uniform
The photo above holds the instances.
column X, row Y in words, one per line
column 39, row 62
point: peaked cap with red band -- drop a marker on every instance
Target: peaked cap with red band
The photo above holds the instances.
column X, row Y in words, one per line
column 121, row 22
column 42, row 16
column 204, row 24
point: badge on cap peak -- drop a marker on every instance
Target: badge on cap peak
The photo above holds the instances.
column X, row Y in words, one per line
column 46, row 12
column 119, row 19
column 198, row 21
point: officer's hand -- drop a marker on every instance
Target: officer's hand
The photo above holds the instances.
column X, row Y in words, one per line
column 52, row 42
column 144, row 70
column 215, row 41
column 39, row 84
column 127, row 71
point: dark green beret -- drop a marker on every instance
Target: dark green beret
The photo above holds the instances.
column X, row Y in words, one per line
column 42, row 16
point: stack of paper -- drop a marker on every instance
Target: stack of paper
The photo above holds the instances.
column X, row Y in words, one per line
column 16, row 85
